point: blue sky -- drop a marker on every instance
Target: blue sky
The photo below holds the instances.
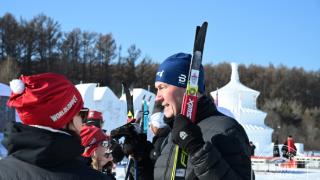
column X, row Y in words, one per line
column 257, row 32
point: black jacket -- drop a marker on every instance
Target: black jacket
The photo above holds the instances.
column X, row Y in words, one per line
column 35, row 153
column 157, row 141
column 225, row 154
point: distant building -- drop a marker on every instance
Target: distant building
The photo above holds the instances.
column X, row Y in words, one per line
column 239, row 102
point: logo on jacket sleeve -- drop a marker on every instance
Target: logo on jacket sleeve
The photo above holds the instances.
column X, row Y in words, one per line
column 183, row 135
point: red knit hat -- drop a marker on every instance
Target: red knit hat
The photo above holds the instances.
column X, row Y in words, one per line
column 95, row 115
column 47, row 99
column 91, row 136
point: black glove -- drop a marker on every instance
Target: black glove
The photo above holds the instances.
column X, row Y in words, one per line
column 135, row 146
column 186, row 135
column 116, row 152
column 135, row 142
column 128, row 130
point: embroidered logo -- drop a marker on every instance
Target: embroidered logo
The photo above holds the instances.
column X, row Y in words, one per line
column 180, row 172
column 91, row 113
column 183, row 135
column 160, row 73
column 182, row 79
column 62, row 112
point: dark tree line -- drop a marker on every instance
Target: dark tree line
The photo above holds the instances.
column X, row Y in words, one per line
column 291, row 97
column 39, row 45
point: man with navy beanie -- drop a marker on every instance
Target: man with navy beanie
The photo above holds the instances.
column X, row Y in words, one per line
column 217, row 145
column 175, row 71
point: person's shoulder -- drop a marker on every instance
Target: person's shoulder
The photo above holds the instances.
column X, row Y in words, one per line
column 163, row 132
column 219, row 123
column 80, row 169
column 10, row 162
column 99, row 175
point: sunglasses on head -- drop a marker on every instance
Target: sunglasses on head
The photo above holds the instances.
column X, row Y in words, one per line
column 84, row 113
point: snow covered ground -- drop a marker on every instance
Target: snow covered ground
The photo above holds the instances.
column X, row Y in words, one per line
column 275, row 171
column 292, row 174
column 305, row 174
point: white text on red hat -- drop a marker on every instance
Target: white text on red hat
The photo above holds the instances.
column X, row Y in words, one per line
column 59, row 114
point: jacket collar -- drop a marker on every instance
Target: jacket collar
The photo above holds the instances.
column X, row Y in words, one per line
column 39, row 146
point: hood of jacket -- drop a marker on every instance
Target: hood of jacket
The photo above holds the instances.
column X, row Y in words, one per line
column 41, row 147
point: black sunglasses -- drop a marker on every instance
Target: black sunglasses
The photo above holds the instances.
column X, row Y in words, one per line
column 84, row 113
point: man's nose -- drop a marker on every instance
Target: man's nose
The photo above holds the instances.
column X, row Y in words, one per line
column 159, row 97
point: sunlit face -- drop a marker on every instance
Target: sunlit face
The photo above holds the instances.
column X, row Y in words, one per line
column 170, row 97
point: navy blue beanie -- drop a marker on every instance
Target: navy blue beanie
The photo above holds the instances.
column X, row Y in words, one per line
column 175, row 71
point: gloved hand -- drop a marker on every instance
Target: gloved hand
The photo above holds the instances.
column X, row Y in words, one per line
column 116, row 151
column 135, row 142
column 135, row 146
column 186, row 135
column 128, row 130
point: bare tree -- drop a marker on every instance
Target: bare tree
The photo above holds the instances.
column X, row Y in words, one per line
column 70, row 53
column 9, row 37
column 9, row 70
column 145, row 72
column 48, row 34
column 106, row 47
column 87, row 54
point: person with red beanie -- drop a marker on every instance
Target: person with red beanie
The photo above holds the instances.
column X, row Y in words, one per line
column 94, row 118
column 93, row 139
column 46, row 145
